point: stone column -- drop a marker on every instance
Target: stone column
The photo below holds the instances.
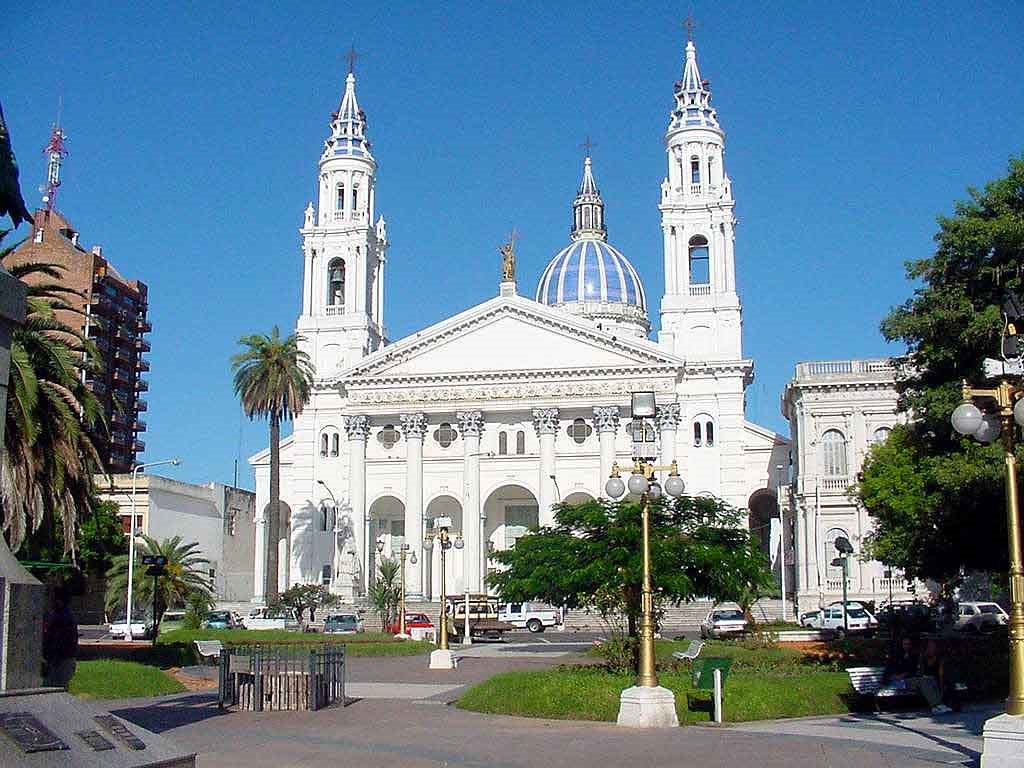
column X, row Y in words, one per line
column 545, row 421
column 259, row 595
column 471, row 426
column 414, row 427
column 668, row 422
column 357, row 428
column 606, row 422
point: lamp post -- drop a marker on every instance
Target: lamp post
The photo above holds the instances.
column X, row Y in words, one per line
column 404, row 552
column 442, row 657
column 131, row 539
column 646, row 704
column 1005, row 406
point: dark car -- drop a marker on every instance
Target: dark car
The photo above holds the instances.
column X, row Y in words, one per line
column 219, row 620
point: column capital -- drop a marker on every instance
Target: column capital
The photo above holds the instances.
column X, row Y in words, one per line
column 357, row 427
column 545, row 421
column 606, row 418
column 668, row 417
column 414, row 425
column 471, row 423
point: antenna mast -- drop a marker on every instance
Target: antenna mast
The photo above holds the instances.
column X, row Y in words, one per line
column 56, row 153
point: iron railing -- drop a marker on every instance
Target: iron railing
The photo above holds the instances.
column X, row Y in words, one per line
column 260, row 679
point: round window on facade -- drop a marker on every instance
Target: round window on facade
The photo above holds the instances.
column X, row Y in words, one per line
column 445, row 435
column 579, row 431
column 388, row 436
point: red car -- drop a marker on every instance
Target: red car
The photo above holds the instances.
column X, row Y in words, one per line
column 412, row 621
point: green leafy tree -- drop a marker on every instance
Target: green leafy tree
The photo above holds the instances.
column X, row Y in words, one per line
column 699, row 547
column 184, row 583
column 306, row 599
column 49, row 458
column 273, row 380
column 100, row 537
column 386, row 591
column 937, row 498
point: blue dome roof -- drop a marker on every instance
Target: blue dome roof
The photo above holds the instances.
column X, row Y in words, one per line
column 590, row 269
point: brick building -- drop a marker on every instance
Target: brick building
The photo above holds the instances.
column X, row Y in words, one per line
column 113, row 314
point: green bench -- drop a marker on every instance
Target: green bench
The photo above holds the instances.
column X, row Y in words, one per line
column 710, row 674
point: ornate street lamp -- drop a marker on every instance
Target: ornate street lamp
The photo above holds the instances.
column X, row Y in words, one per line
column 442, row 657
column 646, row 704
column 1004, row 407
column 404, row 552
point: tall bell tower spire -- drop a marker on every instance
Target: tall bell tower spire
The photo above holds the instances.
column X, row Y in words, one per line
column 343, row 246
column 700, row 311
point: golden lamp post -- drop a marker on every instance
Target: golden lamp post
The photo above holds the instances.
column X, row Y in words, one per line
column 442, row 657
column 647, row 704
column 404, row 552
column 1003, row 410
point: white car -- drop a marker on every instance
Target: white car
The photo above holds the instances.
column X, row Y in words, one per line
column 271, row 618
column 142, row 628
column 858, row 619
column 980, row 617
column 532, row 616
column 723, row 622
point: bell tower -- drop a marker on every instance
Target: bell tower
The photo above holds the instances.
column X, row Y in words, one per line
column 700, row 311
column 343, row 247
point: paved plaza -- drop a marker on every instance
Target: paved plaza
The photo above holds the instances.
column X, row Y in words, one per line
column 400, row 714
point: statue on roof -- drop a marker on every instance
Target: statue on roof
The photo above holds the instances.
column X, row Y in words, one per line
column 508, row 258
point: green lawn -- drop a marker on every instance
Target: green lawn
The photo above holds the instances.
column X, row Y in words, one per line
column 765, row 683
column 108, row 679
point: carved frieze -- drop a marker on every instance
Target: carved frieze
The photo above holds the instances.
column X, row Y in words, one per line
column 509, row 391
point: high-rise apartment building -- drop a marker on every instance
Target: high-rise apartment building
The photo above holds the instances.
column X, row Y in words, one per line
column 111, row 311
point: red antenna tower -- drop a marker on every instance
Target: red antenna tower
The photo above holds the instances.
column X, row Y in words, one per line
column 56, row 153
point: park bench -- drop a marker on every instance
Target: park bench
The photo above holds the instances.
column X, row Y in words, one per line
column 709, row 674
column 208, row 649
column 868, row 683
column 691, row 652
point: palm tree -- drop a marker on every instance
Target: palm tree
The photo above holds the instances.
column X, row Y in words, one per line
column 385, row 592
column 49, row 457
column 185, row 580
column 273, row 379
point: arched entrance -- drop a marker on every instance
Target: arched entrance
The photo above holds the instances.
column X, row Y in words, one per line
column 443, row 506
column 387, row 525
column 763, row 508
column 511, row 511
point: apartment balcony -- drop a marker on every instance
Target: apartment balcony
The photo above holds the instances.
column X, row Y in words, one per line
column 98, row 387
column 120, row 438
column 141, row 345
column 139, row 446
column 141, row 405
column 122, row 357
column 121, row 376
column 124, row 333
column 97, row 325
column 142, row 325
column 141, row 385
column 139, row 426
column 141, row 365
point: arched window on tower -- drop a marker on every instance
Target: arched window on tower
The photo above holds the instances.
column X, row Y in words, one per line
column 520, row 443
column 695, row 170
column 355, row 198
column 339, row 204
column 335, row 444
column 324, row 442
column 697, row 435
column 833, row 450
column 336, row 283
column 700, row 263
column 586, row 217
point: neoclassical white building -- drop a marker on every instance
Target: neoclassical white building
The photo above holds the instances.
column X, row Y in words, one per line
column 496, row 413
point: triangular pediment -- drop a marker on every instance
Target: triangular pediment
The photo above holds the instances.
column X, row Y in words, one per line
column 503, row 335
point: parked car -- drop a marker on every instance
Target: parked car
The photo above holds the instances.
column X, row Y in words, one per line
column 858, row 620
column 142, row 627
column 219, row 620
column 342, row 624
column 980, row 617
column 412, row 621
column 483, row 617
column 532, row 616
column 271, row 618
column 723, row 622
column 909, row 616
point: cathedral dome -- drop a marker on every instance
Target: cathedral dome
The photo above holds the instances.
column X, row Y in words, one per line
column 590, row 277
column 591, row 270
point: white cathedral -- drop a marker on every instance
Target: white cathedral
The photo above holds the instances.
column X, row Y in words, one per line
column 495, row 414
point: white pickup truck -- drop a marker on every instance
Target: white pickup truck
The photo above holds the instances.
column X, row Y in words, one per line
column 271, row 618
column 532, row 616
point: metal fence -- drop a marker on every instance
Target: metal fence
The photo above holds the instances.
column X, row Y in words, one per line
column 260, row 679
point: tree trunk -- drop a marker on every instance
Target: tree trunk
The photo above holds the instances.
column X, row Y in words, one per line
column 274, row 523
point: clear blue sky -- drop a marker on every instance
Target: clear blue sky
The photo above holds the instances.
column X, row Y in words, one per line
column 194, row 138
